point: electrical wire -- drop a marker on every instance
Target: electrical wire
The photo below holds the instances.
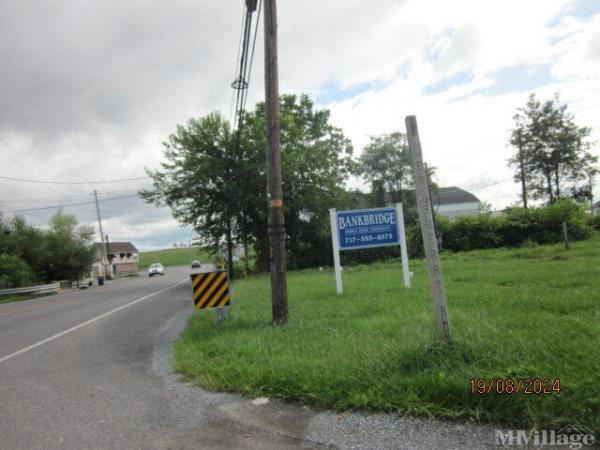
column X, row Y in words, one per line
column 494, row 183
column 240, row 83
column 252, row 53
column 118, row 180
column 66, row 197
column 237, row 62
column 12, row 211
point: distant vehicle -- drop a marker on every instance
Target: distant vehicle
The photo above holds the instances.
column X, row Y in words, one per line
column 196, row 264
column 156, row 269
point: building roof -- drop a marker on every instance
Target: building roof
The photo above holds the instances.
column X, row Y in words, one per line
column 120, row 247
column 452, row 195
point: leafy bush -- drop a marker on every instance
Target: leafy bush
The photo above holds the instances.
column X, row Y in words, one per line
column 519, row 227
column 594, row 221
column 14, row 272
column 470, row 233
column 63, row 251
column 543, row 225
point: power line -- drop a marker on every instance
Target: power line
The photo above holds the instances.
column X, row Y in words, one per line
column 66, row 197
column 117, row 180
column 70, row 204
column 494, row 183
column 237, row 62
column 245, row 64
column 16, row 160
column 252, row 53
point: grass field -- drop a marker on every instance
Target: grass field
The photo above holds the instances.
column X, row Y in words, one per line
column 525, row 313
column 173, row 257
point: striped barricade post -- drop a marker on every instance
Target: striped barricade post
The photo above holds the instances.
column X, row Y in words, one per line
column 210, row 289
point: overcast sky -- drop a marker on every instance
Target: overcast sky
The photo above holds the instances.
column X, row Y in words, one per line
column 89, row 90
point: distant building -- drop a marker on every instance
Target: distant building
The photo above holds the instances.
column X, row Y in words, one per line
column 596, row 208
column 454, row 202
column 122, row 256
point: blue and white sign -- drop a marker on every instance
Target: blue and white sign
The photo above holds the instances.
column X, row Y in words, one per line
column 367, row 228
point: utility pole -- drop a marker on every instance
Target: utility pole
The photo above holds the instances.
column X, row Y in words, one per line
column 275, row 194
column 103, row 253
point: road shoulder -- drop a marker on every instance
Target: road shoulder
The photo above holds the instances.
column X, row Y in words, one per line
column 248, row 423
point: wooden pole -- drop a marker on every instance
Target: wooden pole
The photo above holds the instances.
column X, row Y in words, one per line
column 275, row 194
column 103, row 257
column 432, row 256
column 566, row 235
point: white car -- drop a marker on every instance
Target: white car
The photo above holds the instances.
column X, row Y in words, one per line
column 156, row 269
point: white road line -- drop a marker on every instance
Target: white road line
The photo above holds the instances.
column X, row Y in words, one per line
column 87, row 322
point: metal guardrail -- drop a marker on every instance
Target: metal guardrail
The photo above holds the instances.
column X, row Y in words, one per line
column 44, row 289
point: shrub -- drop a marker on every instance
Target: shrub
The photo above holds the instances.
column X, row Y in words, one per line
column 543, row 225
column 470, row 233
column 14, row 272
column 594, row 221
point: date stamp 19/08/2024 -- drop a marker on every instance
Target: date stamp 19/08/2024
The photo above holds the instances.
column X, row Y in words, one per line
column 526, row 386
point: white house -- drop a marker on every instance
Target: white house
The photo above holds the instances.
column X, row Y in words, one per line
column 122, row 256
column 454, row 202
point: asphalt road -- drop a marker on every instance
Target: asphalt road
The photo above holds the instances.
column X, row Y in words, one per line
column 91, row 370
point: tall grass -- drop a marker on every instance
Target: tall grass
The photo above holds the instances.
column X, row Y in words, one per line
column 527, row 313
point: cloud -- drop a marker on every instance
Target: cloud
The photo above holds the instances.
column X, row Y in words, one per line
column 89, row 90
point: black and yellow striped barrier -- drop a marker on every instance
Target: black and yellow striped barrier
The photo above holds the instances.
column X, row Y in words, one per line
column 211, row 289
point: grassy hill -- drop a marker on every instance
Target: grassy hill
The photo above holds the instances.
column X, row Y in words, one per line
column 173, row 256
column 523, row 314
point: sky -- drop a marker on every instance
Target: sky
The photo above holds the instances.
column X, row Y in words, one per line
column 90, row 90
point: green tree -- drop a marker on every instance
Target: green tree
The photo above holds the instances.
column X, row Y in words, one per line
column 198, row 180
column 27, row 243
column 385, row 164
column 220, row 187
column 14, row 272
column 316, row 162
column 553, row 159
column 62, row 252
column 519, row 138
column 70, row 253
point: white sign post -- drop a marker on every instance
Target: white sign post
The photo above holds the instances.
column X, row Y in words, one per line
column 367, row 228
column 403, row 251
column 335, row 241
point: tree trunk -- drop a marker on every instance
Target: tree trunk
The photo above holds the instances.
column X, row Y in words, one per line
column 246, row 262
column 557, row 182
column 549, row 189
column 522, row 167
column 229, row 250
column 245, row 244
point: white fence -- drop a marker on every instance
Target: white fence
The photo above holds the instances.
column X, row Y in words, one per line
column 38, row 290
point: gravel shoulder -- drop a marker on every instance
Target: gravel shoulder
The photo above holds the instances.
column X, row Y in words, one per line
column 229, row 420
